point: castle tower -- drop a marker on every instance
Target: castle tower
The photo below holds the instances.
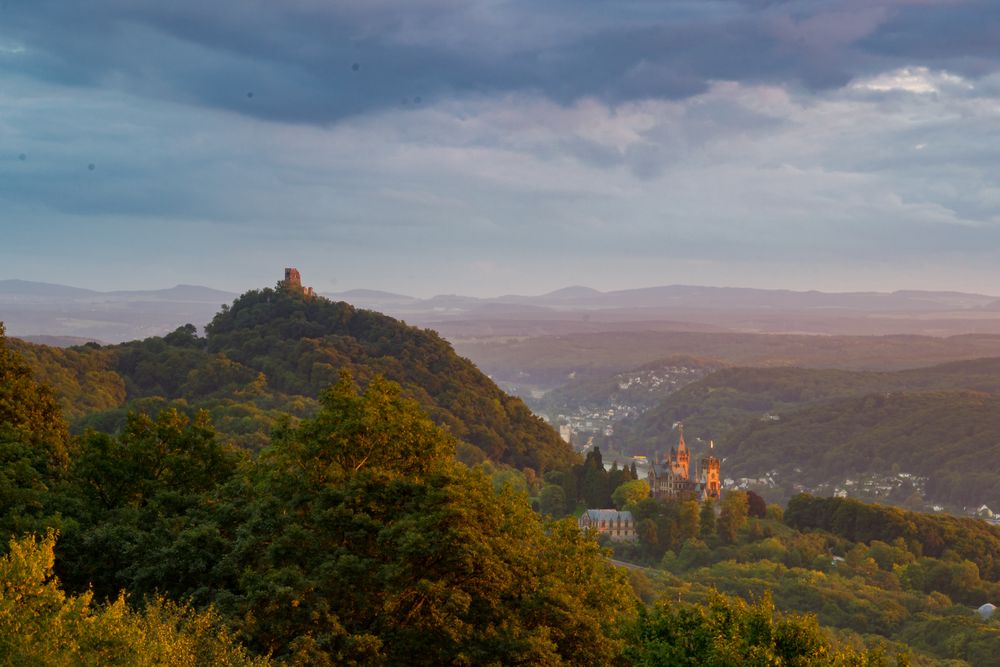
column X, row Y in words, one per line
column 293, row 280
column 682, row 460
column 710, row 469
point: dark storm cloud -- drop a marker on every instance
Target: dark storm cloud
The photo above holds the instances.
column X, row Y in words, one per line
column 317, row 62
column 963, row 36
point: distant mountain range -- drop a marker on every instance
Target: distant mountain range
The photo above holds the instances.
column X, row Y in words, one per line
column 35, row 308
column 59, row 314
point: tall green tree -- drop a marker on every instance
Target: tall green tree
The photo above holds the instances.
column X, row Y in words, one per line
column 29, row 412
column 128, row 501
column 34, row 446
column 366, row 544
column 708, row 519
column 688, row 520
column 630, row 493
column 732, row 516
column 594, row 481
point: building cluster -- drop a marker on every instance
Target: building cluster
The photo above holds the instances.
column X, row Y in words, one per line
column 673, row 478
column 637, row 392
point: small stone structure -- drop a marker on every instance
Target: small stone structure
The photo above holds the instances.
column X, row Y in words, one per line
column 293, row 282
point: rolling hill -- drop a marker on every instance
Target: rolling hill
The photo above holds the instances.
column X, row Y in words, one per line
column 272, row 352
column 549, row 361
column 821, row 426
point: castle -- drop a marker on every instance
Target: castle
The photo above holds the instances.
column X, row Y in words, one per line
column 293, row 282
column 673, row 479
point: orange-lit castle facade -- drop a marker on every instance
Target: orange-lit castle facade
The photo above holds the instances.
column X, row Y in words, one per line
column 673, row 477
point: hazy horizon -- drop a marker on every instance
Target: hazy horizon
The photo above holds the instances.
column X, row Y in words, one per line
column 402, row 290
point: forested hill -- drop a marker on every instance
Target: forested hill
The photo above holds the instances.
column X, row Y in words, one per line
column 951, row 438
column 718, row 403
column 272, row 352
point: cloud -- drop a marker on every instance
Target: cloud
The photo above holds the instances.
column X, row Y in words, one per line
column 919, row 80
column 319, row 62
column 633, row 141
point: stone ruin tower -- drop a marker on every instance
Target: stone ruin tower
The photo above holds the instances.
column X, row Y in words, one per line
column 293, row 282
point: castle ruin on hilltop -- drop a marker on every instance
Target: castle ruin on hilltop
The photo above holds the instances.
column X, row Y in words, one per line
column 673, row 479
column 293, row 283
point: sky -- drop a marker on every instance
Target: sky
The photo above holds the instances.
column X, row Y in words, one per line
column 485, row 147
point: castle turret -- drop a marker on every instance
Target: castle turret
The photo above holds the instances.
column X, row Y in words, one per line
column 710, row 471
column 680, row 458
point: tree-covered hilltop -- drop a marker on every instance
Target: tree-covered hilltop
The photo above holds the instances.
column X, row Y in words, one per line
column 271, row 353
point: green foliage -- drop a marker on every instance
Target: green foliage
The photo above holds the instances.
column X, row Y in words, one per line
column 273, row 350
column 924, row 534
column 952, row 438
column 379, row 429
column 126, row 503
column 666, row 525
column 834, row 423
column 301, row 343
column 732, row 516
column 884, row 590
column 41, row 625
column 34, row 446
column 29, row 413
column 729, row 632
column 628, row 494
column 355, row 538
column 83, row 379
column 364, row 544
column 552, row 500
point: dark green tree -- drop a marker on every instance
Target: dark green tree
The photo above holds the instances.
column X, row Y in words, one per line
column 732, row 516
column 708, row 519
column 729, row 632
column 366, row 544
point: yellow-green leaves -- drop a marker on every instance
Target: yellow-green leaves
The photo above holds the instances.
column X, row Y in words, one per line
column 41, row 625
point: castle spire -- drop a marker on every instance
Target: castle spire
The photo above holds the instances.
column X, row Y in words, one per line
column 681, row 460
